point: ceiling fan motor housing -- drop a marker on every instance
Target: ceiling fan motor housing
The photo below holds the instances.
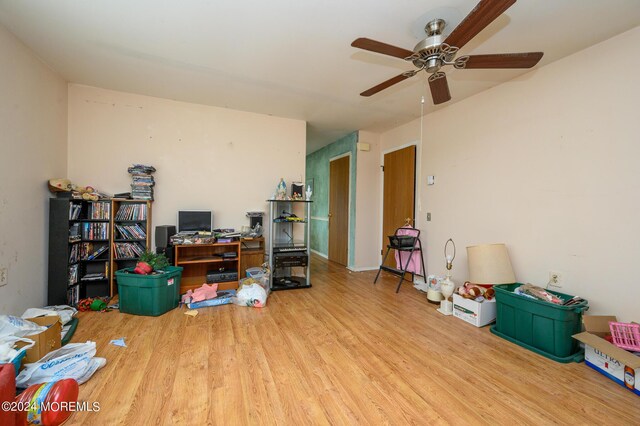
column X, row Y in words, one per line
column 429, row 53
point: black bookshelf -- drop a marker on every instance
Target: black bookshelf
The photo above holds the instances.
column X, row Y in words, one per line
column 69, row 258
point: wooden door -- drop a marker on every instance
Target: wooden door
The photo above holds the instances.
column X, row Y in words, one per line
column 339, row 210
column 399, row 190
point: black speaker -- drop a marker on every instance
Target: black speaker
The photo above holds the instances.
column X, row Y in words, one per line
column 163, row 233
column 167, row 251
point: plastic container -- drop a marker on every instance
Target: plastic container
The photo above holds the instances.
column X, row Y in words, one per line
column 542, row 327
column 7, row 393
column 17, row 360
column 255, row 272
column 625, row 335
column 149, row 295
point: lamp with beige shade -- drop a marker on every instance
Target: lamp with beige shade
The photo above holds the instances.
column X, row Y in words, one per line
column 489, row 264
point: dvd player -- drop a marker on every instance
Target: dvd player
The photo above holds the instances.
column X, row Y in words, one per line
column 288, row 249
column 290, row 259
column 222, row 276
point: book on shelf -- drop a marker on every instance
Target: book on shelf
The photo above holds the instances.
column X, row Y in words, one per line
column 74, row 233
column 96, row 276
column 73, row 274
column 132, row 211
column 100, row 210
column 74, row 253
column 95, row 231
column 131, row 232
column 73, row 295
column 127, row 250
column 98, row 252
column 74, row 211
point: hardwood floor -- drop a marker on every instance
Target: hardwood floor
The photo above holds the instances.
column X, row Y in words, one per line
column 343, row 352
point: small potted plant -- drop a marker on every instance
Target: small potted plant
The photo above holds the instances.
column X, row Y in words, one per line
column 150, row 262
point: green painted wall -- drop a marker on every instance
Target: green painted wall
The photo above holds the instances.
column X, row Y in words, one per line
column 317, row 168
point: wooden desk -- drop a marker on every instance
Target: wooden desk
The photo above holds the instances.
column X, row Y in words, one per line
column 197, row 259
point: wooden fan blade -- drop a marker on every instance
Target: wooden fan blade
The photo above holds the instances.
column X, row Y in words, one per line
column 385, row 84
column 379, row 47
column 482, row 15
column 439, row 89
column 504, row 60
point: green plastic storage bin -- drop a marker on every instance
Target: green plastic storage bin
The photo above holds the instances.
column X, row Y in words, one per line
column 149, row 295
column 542, row 327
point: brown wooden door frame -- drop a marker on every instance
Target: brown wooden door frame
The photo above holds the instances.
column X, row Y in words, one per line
column 416, row 173
column 342, row 256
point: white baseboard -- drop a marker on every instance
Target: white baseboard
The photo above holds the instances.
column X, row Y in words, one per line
column 318, row 253
column 363, row 268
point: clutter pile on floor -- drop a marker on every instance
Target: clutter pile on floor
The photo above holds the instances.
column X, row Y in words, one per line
column 37, row 360
column 251, row 292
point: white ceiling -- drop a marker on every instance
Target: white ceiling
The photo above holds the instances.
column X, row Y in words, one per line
column 292, row 58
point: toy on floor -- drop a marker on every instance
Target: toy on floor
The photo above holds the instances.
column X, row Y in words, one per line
column 94, row 304
column 59, row 395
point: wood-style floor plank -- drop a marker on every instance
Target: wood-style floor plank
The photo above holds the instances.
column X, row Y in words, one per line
column 345, row 351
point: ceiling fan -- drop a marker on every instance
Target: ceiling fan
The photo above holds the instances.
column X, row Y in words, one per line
column 432, row 53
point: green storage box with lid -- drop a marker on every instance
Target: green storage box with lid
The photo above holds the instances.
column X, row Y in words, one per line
column 542, row 327
column 149, row 295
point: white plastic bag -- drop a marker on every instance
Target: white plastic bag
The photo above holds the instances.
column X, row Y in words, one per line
column 251, row 295
column 16, row 326
column 7, row 344
column 66, row 313
column 73, row 361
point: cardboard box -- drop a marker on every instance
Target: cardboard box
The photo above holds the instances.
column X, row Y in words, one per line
column 617, row 364
column 46, row 341
column 475, row 313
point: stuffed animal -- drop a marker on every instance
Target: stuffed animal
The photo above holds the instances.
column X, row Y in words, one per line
column 88, row 193
column 473, row 291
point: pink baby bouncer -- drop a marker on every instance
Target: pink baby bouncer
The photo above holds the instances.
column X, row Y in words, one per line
column 408, row 252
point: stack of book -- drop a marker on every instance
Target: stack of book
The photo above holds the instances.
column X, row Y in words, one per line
column 142, row 185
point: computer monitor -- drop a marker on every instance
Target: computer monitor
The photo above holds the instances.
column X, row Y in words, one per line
column 195, row 220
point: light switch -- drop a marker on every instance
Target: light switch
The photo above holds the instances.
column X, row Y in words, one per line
column 431, row 180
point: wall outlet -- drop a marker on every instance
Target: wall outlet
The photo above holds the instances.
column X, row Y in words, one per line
column 555, row 279
column 4, row 276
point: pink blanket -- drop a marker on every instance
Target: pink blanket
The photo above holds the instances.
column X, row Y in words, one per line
column 205, row 292
column 415, row 266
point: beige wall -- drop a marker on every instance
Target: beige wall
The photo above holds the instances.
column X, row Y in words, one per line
column 33, row 123
column 367, row 251
column 547, row 163
column 206, row 157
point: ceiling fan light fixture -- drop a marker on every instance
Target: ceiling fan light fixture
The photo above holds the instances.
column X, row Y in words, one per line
column 435, row 27
column 432, row 65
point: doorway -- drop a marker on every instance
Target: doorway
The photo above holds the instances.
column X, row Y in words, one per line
column 398, row 193
column 339, row 180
